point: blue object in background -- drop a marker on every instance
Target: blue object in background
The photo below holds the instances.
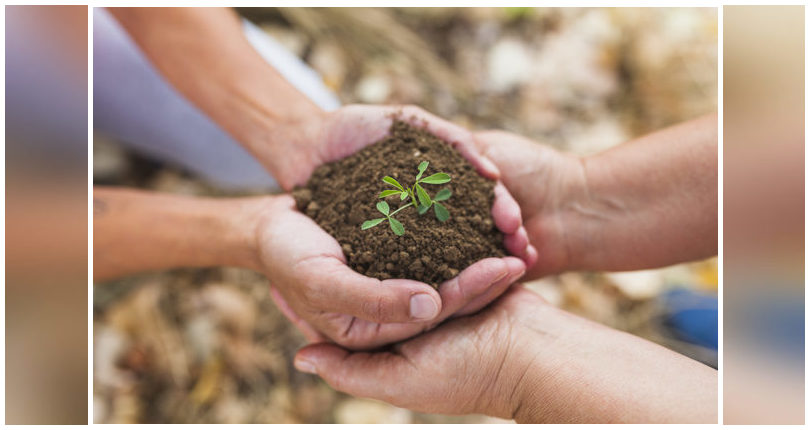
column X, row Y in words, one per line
column 692, row 316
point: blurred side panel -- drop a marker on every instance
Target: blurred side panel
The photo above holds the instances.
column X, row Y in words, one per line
column 46, row 214
column 763, row 215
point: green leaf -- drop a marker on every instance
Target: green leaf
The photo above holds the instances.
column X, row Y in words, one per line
column 383, row 207
column 393, row 182
column 422, row 166
column 441, row 212
column 403, row 195
column 422, row 209
column 387, row 193
column 423, row 196
column 442, row 195
column 371, row 223
column 436, row 178
column 396, row 226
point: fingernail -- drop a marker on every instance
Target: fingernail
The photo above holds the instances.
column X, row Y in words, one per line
column 423, row 307
column 304, row 366
column 489, row 166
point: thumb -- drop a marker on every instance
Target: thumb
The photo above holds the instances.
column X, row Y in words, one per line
column 359, row 373
column 338, row 288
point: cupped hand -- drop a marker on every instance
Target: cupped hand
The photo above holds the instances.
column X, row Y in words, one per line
column 335, row 135
column 322, row 296
column 523, row 359
column 325, row 297
column 548, row 185
column 469, row 365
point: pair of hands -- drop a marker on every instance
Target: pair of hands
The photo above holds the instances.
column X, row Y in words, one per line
column 310, row 281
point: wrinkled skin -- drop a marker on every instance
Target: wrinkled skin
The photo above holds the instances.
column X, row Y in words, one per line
column 468, row 365
column 310, row 280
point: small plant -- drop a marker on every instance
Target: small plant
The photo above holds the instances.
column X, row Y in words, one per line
column 420, row 199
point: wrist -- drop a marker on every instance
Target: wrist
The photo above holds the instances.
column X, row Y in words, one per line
column 585, row 211
column 250, row 215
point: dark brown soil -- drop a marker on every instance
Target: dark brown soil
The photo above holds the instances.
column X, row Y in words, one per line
column 341, row 195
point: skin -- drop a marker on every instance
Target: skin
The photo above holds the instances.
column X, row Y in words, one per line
column 227, row 79
column 135, row 231
column 647, row 203
column 526, row 360
column 586, row 214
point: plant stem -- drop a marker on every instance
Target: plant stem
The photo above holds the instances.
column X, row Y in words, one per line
column 398, row 209
column 412, row 193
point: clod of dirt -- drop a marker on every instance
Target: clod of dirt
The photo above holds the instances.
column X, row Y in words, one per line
column 341, row 195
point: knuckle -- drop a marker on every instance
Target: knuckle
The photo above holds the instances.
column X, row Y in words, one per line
column 380, row 309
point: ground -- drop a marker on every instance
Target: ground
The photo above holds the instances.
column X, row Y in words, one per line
column 210, row 346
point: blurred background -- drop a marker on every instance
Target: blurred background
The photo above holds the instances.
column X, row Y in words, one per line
column 764, row 215
column 46, row 301
column 209, row 345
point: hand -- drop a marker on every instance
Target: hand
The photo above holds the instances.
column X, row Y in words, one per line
column 529, row 361
column 326, row 299
column 647, row 203
column 545, row 184
column 332, row 136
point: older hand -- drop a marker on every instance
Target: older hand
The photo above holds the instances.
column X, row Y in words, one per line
column 545, row 184
column 314, row 287
column 526, row 360
column 373, row 312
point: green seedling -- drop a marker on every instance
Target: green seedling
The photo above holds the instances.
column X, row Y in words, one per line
column 420, row 199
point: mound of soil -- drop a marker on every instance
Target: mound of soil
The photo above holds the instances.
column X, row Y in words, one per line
column 341, row 195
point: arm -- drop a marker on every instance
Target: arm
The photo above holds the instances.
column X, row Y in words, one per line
column 204, row 54
column 135, row 231
column 648, row 203
column 526, row 360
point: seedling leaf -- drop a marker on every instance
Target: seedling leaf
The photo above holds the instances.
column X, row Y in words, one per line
column 424, row 197
column 393, row 182
column 422, row 166
column 419, row 198
column 441, row 212
column 396, row 226
column 371, row 223
column 387, row 193
column 437, row 178
column 442, row 195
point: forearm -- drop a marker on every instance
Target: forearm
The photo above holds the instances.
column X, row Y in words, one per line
column 204, row 54
column 136, row 231
column 591, row 373
column 648, row 203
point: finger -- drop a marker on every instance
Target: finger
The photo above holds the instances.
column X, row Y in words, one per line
column 337, row 288
column 307, row 330
column 516, row 270
column 518, row 245
column 361, row 374
column 530, row 257
column 476, row 280
column 505, row 210
column 458, row 137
